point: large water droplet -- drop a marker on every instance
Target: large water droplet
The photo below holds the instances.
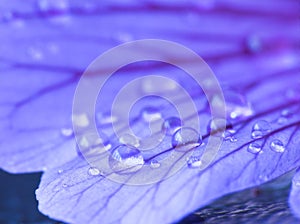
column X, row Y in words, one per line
column 186, row 136
column 151, row 114
column 254, row 148
column 171, row 125
column 237, row 105
column 260, row 128
column 93, row 171
column 126, row 159
column 277, row 146
column 194, row 162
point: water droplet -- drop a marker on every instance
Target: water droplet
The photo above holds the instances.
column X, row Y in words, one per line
column 171, row 125
column 286, row 113
column 67, row 132
column 253, row 44
column 186, row 136
column 216, row 125
column 90, row 145
column 129, row 139
column 105, row 118
column 277, row 146
column 151, row 114
column 296, row 183
column 154, row 164
column 254, row 148
column 60, row 171
column 282, row 120
column 93, row 171
column 35, row 53
column 150, row 85
column 65, row 185
column 126, row 159
column 237, row 105
column 260, row 128
column 57, row 5
column 194, row 162
column 80, row 120
column 228, row 135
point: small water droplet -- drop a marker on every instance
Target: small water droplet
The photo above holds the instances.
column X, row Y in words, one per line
column 154, row 164
column 277, row 146
column 57, row 5
column 296, row 183
column 67, row 132
column 80, row 120
column 286, row 113
column 150, row 85
column 60, row 171
column 228, row 135
column 93, row 171
column 253, row 44
column 126, row 159
column 105, row 118
column 282, row 120
column 35, row 53
column 171, row 125
column 128, row 139
column 186, row 136
column 254, row 148
column 194, row 162
column 260, row 128
column 237, row 105
column 65, row 185
column 90, row 145
column 151, row 114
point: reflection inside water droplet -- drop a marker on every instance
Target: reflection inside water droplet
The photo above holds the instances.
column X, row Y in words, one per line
column 277, row 146
column 154, row 164
column 254, row 148
column 126, row 159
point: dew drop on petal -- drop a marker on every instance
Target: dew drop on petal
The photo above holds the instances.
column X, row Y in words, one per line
column 215, row 125
column 60, row 171
column 254, row 148
column 154, row 164
column 150, row 114
column 260, row 128
column 277, row 146
column 186, row 136
column 126, row 159
column 93, row 171
column 237, row 105
column 194, row 162
column 171, row 125
column 67, row 132
column 228, row 135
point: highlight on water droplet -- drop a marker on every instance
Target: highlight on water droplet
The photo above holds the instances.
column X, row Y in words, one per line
column 186, row 137
column 126, row 159
column 254, row 148
column 277, row 146
column 171, row 125
column 260, row 128
column 228, row 135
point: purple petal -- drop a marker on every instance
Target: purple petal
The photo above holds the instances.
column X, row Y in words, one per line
column 295, row 195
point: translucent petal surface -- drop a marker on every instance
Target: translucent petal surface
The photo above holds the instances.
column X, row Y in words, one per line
column 295, row 195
